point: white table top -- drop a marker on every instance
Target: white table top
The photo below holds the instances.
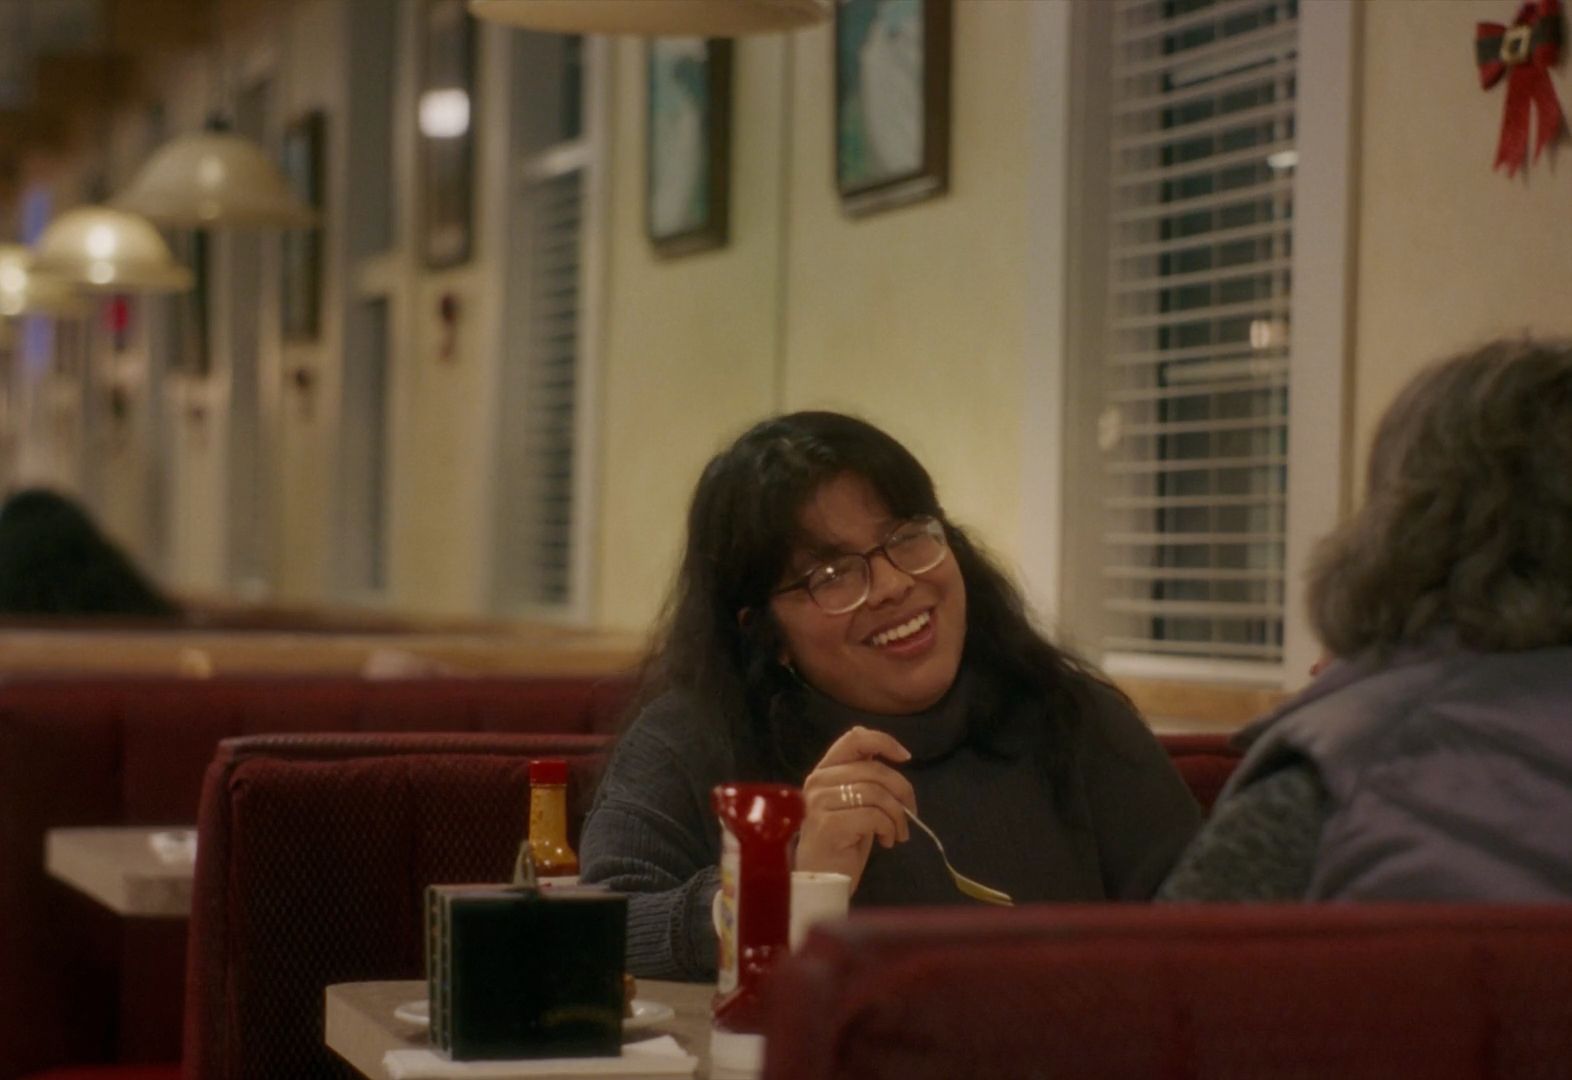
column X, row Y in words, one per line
column 118, row 867
column 360, row 1026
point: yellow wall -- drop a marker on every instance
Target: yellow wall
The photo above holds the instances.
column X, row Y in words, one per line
column 306, row 418
column 440, row 445
column 690, row 342
column 1451, row 252
column 912, row 317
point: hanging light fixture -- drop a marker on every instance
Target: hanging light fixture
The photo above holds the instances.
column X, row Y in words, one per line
column 213, row 179
column 24, row 290
column 107, row 250
column 700, row 18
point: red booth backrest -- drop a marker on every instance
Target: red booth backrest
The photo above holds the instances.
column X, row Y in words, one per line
column 80, row 984
column 1205, row 762
column 313, row 853
column 1155, row 991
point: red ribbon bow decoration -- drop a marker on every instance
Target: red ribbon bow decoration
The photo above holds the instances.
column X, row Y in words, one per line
column 1527, row 49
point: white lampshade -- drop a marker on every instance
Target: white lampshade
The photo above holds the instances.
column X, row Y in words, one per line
column 685, row 18
column 24, row 290
column 107, row 250
column 213, row 178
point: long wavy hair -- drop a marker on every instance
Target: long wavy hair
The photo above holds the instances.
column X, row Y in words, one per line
column 743, row 525
column 1467, row 520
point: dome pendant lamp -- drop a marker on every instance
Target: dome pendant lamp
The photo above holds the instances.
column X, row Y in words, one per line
column 106, row 250
column 684, row 18
column 26, row 291
column 214, row 179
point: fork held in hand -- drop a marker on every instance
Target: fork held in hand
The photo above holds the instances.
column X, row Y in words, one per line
column 975, row 889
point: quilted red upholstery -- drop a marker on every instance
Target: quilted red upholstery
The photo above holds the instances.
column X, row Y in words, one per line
column 80, row 984
column 1205, row 761
column 312, row 856
column 1282, row 990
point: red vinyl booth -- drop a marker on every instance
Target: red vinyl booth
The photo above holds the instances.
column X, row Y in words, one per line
column 80, row 984
column 1446, row 992
column 313, row 853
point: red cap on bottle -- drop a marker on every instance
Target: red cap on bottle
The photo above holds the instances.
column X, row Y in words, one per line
column 548, row 771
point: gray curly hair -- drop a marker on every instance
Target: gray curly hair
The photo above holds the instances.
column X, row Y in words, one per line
column 1467, row 520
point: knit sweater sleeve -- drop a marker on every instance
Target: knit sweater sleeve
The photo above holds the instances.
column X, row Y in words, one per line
column 1260, row 843
column 650, row 834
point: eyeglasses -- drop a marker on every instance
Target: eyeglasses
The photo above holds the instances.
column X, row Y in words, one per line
column 840, row 585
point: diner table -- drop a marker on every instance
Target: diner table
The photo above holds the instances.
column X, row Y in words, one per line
column 138, row 871
column 360, row 1025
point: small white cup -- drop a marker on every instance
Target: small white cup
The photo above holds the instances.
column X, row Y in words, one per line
column 815, row 897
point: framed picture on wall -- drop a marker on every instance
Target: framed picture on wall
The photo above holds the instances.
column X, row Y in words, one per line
column 892, row 101
column 446, row 132
column 304, row 154
column 688, row 144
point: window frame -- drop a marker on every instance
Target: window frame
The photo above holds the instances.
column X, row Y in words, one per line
column 505, row 172
column 1070, row 51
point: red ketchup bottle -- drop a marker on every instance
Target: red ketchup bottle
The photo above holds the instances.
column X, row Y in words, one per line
column 758, row 822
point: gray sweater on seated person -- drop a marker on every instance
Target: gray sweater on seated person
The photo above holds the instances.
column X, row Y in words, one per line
column 1106, row 824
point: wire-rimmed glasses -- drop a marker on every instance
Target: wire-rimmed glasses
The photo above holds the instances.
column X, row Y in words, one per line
column 842, row 583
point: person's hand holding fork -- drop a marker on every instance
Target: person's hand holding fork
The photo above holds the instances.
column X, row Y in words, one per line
column 854, row 798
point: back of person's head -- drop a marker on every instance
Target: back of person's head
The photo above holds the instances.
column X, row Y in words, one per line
column 54, row 561
column 1467, row 521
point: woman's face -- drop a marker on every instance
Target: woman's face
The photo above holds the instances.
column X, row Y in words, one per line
column 898, row 653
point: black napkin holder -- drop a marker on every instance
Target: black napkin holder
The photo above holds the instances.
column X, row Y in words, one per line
column 518, row 973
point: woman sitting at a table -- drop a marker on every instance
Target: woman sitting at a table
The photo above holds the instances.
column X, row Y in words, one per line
column 1432, row 760
column 831, row 628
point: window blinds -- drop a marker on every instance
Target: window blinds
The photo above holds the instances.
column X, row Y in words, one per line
column 1194, row 427
column 541, row 472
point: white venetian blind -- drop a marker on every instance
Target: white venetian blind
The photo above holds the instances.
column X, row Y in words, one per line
column 1195, row 382
column 543, row 351
column 546, row 358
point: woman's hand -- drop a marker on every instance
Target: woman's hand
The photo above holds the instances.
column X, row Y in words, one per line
column 853, row 798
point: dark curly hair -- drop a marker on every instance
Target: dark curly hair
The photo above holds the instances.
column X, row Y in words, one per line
column 743, row 524
column 1467, row 520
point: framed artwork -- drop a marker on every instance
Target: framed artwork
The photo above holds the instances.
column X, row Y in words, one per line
column 190, row 319
column 304, row 154
column 688, row 144
column 446, row 132
column 892, row 101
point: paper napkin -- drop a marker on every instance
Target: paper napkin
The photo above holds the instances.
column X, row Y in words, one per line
column 651, row 1058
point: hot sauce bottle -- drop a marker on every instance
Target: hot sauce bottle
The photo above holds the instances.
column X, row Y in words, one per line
column 548, row 818
column 758, row 822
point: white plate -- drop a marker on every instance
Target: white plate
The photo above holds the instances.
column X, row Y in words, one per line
column 646, row 1014
column 174, row 846
column 414, row 1012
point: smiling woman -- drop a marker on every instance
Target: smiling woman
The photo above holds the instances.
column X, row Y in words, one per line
column 830, row 627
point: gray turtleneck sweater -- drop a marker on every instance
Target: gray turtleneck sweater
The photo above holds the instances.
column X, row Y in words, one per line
column 1113, row 832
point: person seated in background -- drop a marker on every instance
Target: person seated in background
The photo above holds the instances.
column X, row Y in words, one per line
column 1432, row 759
column 831, row 627
column 55, row 561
